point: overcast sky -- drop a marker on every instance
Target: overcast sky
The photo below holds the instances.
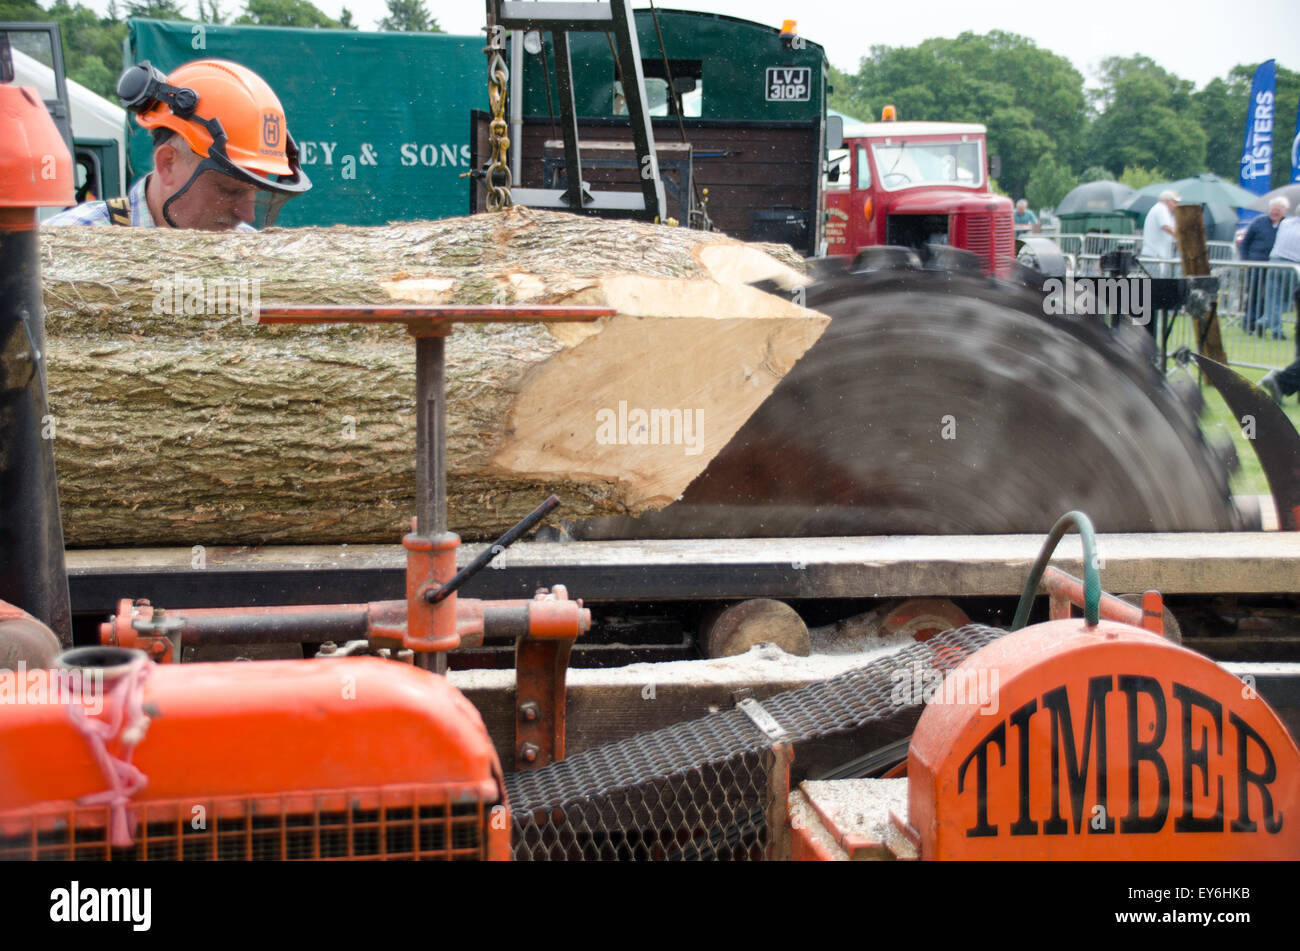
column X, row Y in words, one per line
column 1195, row 39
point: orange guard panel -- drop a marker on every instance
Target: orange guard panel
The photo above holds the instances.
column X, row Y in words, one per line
column 1061, row 742
column 261, row 728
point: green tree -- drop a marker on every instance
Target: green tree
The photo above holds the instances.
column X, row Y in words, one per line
column 1096, row 173
column 1220, row 108
column 1048, row 183
column 1135, row 176
column 300, row 13
column 21, row 10
column 345, row 20
column 156, row 10
column 1030, row 99
column 211, row 12
column 1146, row 118
column 841, row 95
column 409, row 16
column 92, row 46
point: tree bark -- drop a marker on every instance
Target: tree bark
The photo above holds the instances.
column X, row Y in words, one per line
column 178, row 420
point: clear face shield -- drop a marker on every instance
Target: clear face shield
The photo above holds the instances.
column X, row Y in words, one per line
column 273, row 191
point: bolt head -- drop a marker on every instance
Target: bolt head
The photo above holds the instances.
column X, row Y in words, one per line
column 528, row 752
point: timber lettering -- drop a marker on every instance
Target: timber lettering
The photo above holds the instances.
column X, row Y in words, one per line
column 1153, row 752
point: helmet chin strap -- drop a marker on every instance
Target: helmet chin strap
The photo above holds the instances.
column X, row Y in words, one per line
column 300, row 182
column 202, row 167
column 168, row 203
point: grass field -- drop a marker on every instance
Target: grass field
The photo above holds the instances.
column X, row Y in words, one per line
column 1217, row 421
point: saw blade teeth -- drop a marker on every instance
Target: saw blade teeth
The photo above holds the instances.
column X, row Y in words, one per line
column 885, row 258
column 952, row 260
column 1248, row 512
column 1189, row 392
column 1226, row 452
column 1026, row 276
column 1136, row 339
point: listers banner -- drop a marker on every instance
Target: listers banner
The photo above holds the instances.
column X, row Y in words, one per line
column 1257, row 146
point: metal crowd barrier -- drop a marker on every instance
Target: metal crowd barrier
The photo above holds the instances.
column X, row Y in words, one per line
column 1257, row 299
column 1257, row 311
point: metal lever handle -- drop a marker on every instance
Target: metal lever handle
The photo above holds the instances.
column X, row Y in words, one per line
column 501, row 544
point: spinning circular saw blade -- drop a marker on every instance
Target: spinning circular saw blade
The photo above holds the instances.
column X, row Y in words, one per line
column 946, row 403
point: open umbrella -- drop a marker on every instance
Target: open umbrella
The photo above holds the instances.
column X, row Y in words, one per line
column 1094, row 197
column 1206, row 189
column 1220, row 222
column 1139, row 203
column 1220, row 219
column 1289, row 192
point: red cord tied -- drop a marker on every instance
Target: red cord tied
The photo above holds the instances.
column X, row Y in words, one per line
column 125, row 703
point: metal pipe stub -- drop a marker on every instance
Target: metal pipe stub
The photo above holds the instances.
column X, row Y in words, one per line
column 431, row 614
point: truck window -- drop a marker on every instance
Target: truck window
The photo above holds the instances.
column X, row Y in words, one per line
column 864, row 168
column 688, row 77
column 929, row 163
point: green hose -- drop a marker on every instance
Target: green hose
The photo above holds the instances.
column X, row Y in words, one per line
column 1091, row 575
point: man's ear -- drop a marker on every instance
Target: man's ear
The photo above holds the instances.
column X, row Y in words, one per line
column 169, row 164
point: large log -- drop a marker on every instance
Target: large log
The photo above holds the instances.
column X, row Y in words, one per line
column 180, row 421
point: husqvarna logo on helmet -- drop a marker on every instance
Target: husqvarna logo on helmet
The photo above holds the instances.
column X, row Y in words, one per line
column 271, row 129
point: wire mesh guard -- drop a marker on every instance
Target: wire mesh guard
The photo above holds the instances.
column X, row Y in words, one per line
column 268, row 828
column 703, row 790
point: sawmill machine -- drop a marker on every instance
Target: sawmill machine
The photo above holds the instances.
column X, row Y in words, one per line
column 107, row 755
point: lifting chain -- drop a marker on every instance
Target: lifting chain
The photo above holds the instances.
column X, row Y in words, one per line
column 498, row 179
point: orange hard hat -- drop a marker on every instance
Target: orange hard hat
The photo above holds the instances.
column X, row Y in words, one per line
column 248, row 110
column 227, row 114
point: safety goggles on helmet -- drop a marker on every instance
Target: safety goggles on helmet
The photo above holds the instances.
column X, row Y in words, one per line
column 143, row 87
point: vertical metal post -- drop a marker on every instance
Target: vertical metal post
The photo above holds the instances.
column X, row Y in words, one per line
column 568, row 119
column 32, row 571
column 516, row 103
column 777, row 846
column 629, row 56
column 430, row 460
column 430, row 436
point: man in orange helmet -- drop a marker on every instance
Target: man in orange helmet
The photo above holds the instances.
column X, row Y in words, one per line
column 223, row 156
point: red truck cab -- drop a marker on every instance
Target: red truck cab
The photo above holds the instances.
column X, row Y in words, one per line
column 919, row 184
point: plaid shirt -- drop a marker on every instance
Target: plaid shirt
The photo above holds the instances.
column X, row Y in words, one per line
column 96, row 212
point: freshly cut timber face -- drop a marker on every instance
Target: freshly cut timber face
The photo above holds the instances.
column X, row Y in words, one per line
column 947, row 403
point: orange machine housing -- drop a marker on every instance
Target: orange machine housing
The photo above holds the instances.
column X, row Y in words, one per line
column 35, row 166
column 1068, row 742
column 346, row 758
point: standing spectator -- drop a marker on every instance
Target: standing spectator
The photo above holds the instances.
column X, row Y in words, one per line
column 1281, row 282
column 1282, row 383
column 1026, row 220
column 1256, row 246
column 1159, row 235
